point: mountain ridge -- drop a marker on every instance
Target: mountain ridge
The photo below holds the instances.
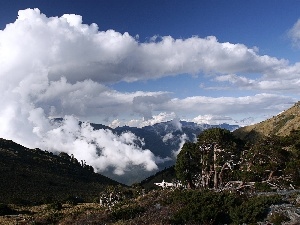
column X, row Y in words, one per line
column 33, row 175
column 281, row 124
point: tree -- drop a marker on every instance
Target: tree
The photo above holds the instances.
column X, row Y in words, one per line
column 188, row 164
column 265, row 158
column 292, row 144
column 219, row 152
column 208, row 160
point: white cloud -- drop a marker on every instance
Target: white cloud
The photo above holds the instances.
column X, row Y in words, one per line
column 212, row 119
column 176, row 123
column 167, row 137
column 77, row 51
column 100, row 148
column 183, row 139
column 161, row 117
column 240, row 81
column 202, row 105
column 143, row 105
column 115, row 123
column 294, row 33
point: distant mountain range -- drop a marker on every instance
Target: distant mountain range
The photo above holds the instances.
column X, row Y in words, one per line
column 165, row 138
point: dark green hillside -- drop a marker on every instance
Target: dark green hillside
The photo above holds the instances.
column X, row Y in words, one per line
column 33, row 175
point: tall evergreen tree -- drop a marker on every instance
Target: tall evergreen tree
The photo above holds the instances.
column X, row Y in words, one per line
column 207, row 161
column 188, row 164
column 219, row 152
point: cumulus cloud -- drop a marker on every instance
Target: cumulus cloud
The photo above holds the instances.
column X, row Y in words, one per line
column 161, row 117
column 67, row 47
column 100, row 148
column 212, row 119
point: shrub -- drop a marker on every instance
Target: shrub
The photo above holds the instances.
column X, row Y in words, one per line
column 208, row 207
column 253, row 209
column 127, row 212
column 278, row 218
column 203, row 207
column 55, row 206
column 259, row 186
column 21, row 202
column 5, row 210
column 73, row 200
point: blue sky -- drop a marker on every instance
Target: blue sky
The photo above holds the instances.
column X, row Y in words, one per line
column 137, row 63
column 260, row 26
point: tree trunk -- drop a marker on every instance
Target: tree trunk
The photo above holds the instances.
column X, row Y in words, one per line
column 215, row 179
column 215, row 168
column 271, row 175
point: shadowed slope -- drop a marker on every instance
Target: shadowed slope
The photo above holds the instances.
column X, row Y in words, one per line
column 33, row 175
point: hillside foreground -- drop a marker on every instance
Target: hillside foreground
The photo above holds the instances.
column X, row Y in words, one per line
column 167, row 207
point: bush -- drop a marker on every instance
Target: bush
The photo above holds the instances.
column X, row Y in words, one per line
column 73, row 200
column 5, row 210
column 55, row 206
column 208, row 207
column 21, row 202
column 253, row 209
column 259, row 186
column 278, row 218
column 204, row 207
column 127, row 212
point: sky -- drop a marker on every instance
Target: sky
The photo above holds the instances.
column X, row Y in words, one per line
column 136, row 63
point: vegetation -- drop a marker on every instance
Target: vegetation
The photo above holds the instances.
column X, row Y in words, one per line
column 160, row 207
column 33, row 176
column 5, row 210
column 208, row 207
column 127, row 212
column 280, row 125
column 219, row 158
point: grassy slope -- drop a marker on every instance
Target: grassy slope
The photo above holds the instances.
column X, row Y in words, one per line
column 281, row 124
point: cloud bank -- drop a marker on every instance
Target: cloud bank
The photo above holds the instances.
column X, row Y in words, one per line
column 60, row 67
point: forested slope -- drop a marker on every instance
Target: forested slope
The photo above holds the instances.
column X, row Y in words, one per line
column 33, row 175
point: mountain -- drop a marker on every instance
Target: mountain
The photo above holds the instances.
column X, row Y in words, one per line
column 281, row 125
column 165, row 138
column 33, row 175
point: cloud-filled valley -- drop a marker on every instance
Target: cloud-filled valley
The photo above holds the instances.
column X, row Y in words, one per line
column 59, row 67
